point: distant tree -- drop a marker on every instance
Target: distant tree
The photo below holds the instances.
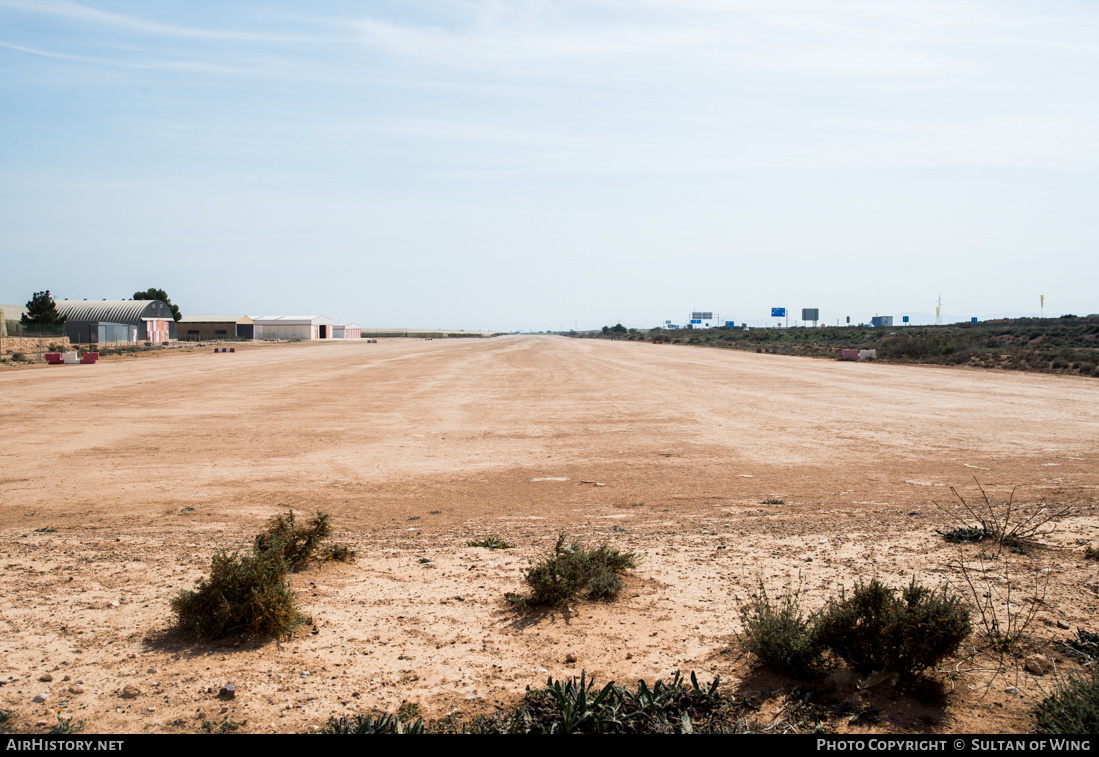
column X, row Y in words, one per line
column 606, row 329
column 41, row 311
column 159, row 294
column 619, row 328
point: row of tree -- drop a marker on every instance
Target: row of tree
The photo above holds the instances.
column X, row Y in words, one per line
column 41, row 310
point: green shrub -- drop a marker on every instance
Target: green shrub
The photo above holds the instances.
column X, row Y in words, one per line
column 295, row 545
column 780, row 635
column 574, row 571
column 245, row 593
column 1091, row 553
column 874, row 630
column 1074, row 708
column 7, row 721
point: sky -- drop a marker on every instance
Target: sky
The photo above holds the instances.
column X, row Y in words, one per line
column 549, row 164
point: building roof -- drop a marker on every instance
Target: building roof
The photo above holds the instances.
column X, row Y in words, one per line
column 215, row 319
column 291, row 319
column 112, row 311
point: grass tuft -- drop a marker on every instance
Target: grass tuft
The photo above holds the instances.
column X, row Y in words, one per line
column 573, row 571
column 493, row 541
column 365, row 724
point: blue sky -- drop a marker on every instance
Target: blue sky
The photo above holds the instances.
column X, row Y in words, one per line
column 537, row 165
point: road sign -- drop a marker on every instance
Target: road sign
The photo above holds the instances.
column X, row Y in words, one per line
column 778, row 312
column 904, row 319
column 972, row 320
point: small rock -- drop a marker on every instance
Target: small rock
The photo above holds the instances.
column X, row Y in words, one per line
column 76, row 689
column 41, row 698
column 130, row 692
column 570, row 657
column 315, row 631
column 1011, row 690
column 151, row 671
column 228, row 691
column 1063, row 624
column 880, row 678
column 1038, row 664
column 45, row 678
column 225, row 709
column 114, row 603
column 629, row 655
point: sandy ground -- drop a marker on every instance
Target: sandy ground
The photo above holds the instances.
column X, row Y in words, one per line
column 147, row 466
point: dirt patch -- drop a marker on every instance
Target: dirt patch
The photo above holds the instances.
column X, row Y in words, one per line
column 147, row 466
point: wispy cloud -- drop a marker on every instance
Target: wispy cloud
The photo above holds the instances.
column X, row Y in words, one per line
column 76, row 13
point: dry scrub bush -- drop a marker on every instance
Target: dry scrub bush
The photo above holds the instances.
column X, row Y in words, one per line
column 871, row 629
column 780, row 635
column 573, row 571
column 295, row 544
column 1017, row 528
column 245, row 593
column 875, row 630
column 1074, row 707
column 250, row 593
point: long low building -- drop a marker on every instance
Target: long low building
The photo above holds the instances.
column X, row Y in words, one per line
column 105, row 321
column 206, row 327
column 292, row 327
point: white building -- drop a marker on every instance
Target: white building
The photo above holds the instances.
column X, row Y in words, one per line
column 347, row 331
column 292, row 327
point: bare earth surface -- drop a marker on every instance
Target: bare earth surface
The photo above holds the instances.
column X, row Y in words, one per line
column 147, row 466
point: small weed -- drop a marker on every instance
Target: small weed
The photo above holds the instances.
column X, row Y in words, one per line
column 965, row 535
column 573, row 571
column 188, row 509
column 414, row 517
column 1091, row 553
column 46, row 530
column 780, row 635
column 65, row 726
column 223, row 726
column 1074, row 707
column 293, row 544
column 7, row 721
column 435, row 512
column 492, row 541
column 874, row 630
column 1000, row 615
column 338, row 553
column 364, row 724
column 1084, row 644
column 773, row 501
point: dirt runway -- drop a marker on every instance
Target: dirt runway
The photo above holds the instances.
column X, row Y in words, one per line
column 146, row 466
